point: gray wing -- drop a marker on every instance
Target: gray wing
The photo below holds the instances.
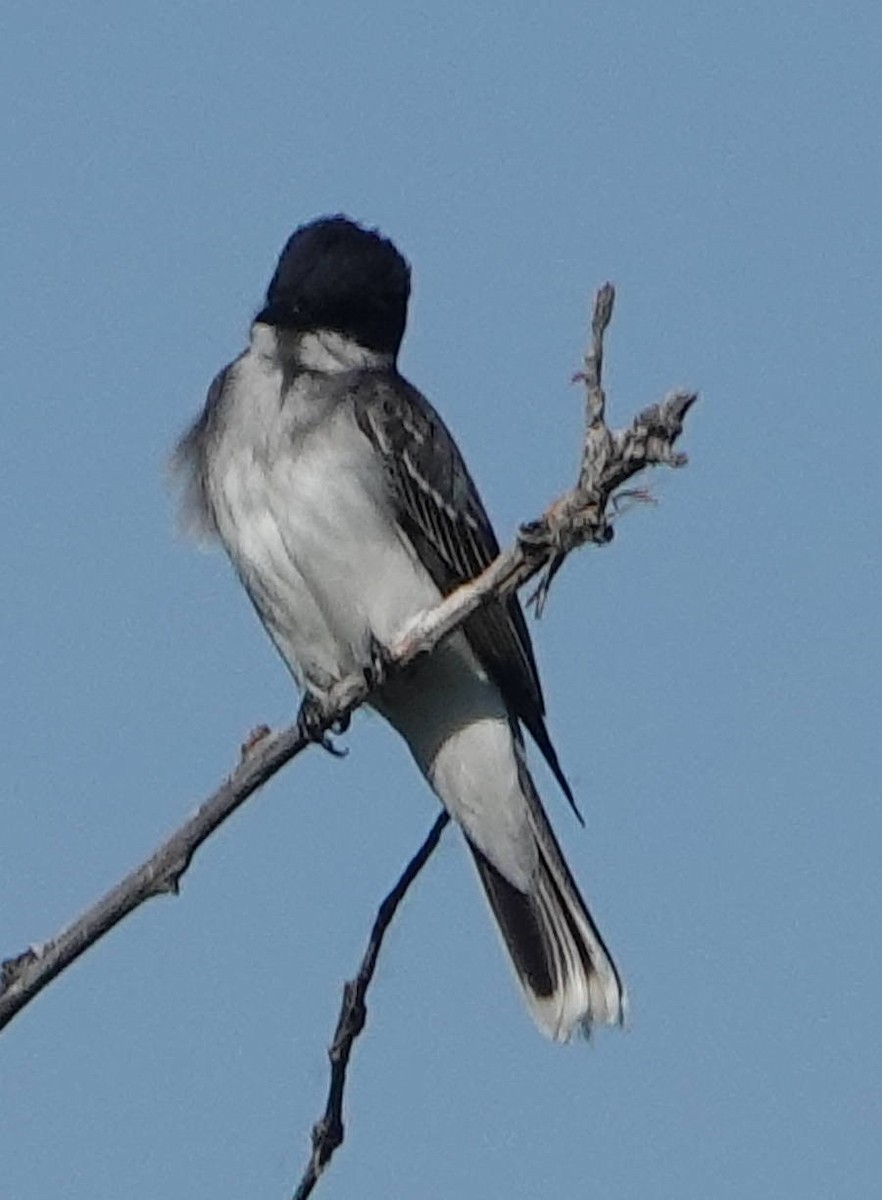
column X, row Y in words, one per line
column 440, row 510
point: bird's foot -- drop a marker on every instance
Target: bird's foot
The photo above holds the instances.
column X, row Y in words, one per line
column 379, row 665
column 311, row 725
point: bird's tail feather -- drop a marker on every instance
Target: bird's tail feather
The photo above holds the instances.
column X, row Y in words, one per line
column 566, row 972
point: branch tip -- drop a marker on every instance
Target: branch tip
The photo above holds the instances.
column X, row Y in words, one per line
column 604, row 302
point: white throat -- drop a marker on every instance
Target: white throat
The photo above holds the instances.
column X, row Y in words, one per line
column 322, row 350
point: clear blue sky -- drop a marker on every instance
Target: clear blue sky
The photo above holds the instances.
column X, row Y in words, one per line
column 713, row 676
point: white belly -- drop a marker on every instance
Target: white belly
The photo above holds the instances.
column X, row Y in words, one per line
column 313, row 540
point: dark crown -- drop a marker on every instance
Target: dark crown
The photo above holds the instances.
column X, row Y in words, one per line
column 334, row 274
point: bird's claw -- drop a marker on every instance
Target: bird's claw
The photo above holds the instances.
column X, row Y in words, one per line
column 379, row 666
column 311, row 726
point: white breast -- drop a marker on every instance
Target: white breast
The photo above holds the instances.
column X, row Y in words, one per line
column 300, row 507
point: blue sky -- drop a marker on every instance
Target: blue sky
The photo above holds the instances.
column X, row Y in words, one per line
column 713, row 676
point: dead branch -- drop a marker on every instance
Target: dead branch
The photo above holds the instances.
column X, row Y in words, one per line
column 610, row 458
column 327, row 1133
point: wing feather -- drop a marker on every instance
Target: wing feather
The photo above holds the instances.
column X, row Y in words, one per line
column 439, row 508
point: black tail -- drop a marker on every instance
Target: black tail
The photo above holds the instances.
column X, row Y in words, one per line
column 567, row 974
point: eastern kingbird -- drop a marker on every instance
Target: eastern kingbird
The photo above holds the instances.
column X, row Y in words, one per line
column 346, row 509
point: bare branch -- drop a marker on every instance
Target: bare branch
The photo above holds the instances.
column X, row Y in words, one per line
column 28, row 973
column 610, row 459
column 328, row 1132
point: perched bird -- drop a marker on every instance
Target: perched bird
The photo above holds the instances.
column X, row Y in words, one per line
column 346, row 508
